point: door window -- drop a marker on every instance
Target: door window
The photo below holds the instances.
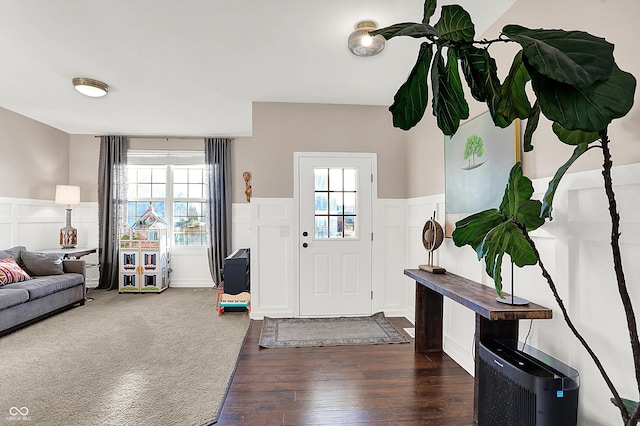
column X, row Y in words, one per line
column 336, row 212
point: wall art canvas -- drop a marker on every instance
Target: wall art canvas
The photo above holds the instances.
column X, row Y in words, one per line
column 478, row 159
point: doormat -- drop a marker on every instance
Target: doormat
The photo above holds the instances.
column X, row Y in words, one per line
column 306, row 332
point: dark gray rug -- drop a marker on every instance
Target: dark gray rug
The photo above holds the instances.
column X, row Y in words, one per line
column 304, row 332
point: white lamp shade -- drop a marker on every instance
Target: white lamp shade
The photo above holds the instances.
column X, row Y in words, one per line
column 67, row 194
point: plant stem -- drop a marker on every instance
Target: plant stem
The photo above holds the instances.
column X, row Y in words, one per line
column 501, row 39
column 617, row 264
column 554, row 290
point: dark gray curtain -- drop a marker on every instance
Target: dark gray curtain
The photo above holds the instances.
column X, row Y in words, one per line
column 112, row 204
column 217, row 156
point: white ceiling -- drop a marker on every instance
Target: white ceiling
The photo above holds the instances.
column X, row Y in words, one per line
column 193, row 67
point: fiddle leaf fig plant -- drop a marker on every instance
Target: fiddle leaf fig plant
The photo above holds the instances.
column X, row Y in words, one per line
column 576, row 85
column 495, row 232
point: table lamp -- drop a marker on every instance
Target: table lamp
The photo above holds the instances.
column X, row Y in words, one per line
column 66, row 194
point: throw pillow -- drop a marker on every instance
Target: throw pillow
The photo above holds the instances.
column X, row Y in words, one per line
column 41, row 264
column 10, row 272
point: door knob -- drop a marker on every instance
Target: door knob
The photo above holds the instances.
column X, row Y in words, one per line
column 305, row 245
column 305, row 233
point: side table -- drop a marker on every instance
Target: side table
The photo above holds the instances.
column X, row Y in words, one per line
column 68, row 253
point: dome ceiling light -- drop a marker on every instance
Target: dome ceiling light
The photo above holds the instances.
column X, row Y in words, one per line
column 361, row 43
column 90, row 87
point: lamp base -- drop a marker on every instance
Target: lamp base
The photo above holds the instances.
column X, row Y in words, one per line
column 433, row 269
column 68, row 237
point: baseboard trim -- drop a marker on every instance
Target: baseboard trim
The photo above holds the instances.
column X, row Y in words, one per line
column 459, row 354
column 190, row 284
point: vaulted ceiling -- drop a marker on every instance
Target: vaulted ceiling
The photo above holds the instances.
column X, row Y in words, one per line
column 194, row 67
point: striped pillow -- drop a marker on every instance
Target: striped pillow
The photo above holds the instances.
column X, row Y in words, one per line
column 10, row 272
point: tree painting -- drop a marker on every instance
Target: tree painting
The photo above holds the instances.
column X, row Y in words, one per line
column 472, row 149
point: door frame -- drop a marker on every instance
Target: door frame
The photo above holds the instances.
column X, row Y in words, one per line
column 373, row 157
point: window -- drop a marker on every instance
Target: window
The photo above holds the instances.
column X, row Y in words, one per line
column 189, row 206
column 177, row 192
column 335, row 203
column 147, row 184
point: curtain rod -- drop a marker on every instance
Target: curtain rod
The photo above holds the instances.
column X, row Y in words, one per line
column 165, row 137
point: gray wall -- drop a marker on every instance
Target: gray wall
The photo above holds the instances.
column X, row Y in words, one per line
column 85, row 150
column 35, row 157
column 280, row 129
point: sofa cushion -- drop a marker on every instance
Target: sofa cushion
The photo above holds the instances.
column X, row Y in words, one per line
column 13, row 252
column 40, row 264
column 12, row 296
column 44, row 286
column 10, row 272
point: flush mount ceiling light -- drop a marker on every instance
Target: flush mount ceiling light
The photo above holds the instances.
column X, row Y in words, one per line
column 90, row 87
column 361, row 43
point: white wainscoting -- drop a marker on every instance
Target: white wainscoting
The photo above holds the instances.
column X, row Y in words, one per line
column 575, row 248
column 272, row 257
column 36, row 225
column 190, row 268
column 241, row 223
column 390, row 292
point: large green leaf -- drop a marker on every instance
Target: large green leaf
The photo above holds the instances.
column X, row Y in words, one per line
column 479, row 68
column 408, row 29
column 532, row 125
column 506, row 238
column 575, row 137
column 514, row 102
column 572, row 57
column 547, row 204
column 517, row 203
column 455, row 24
column 410, row 102
column 429, row 9
column 480, row 72
column 449, row 105
column 493, row 104
column 493, row 248
column 494, row 233
column 589, row 109
column 472, row 229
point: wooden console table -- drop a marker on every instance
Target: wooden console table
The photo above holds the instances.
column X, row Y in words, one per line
column 493, row 319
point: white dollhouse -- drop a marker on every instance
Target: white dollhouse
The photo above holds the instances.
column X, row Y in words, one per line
column 144, row 255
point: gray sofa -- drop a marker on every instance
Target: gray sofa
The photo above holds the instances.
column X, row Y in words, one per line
column 55, row 285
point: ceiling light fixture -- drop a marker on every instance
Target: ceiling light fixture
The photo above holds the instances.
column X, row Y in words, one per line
column 361, row 43
column 90, row 87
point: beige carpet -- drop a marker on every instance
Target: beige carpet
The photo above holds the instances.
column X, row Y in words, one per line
column 122, row 359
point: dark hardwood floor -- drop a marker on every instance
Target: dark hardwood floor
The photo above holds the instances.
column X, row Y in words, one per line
column 346, row 385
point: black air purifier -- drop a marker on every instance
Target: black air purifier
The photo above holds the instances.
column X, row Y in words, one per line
column 236, row 272
column 524, row 387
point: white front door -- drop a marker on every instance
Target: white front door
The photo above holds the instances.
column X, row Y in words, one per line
column 335, row 233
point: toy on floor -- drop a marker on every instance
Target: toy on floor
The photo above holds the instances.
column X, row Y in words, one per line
column 234, row 302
